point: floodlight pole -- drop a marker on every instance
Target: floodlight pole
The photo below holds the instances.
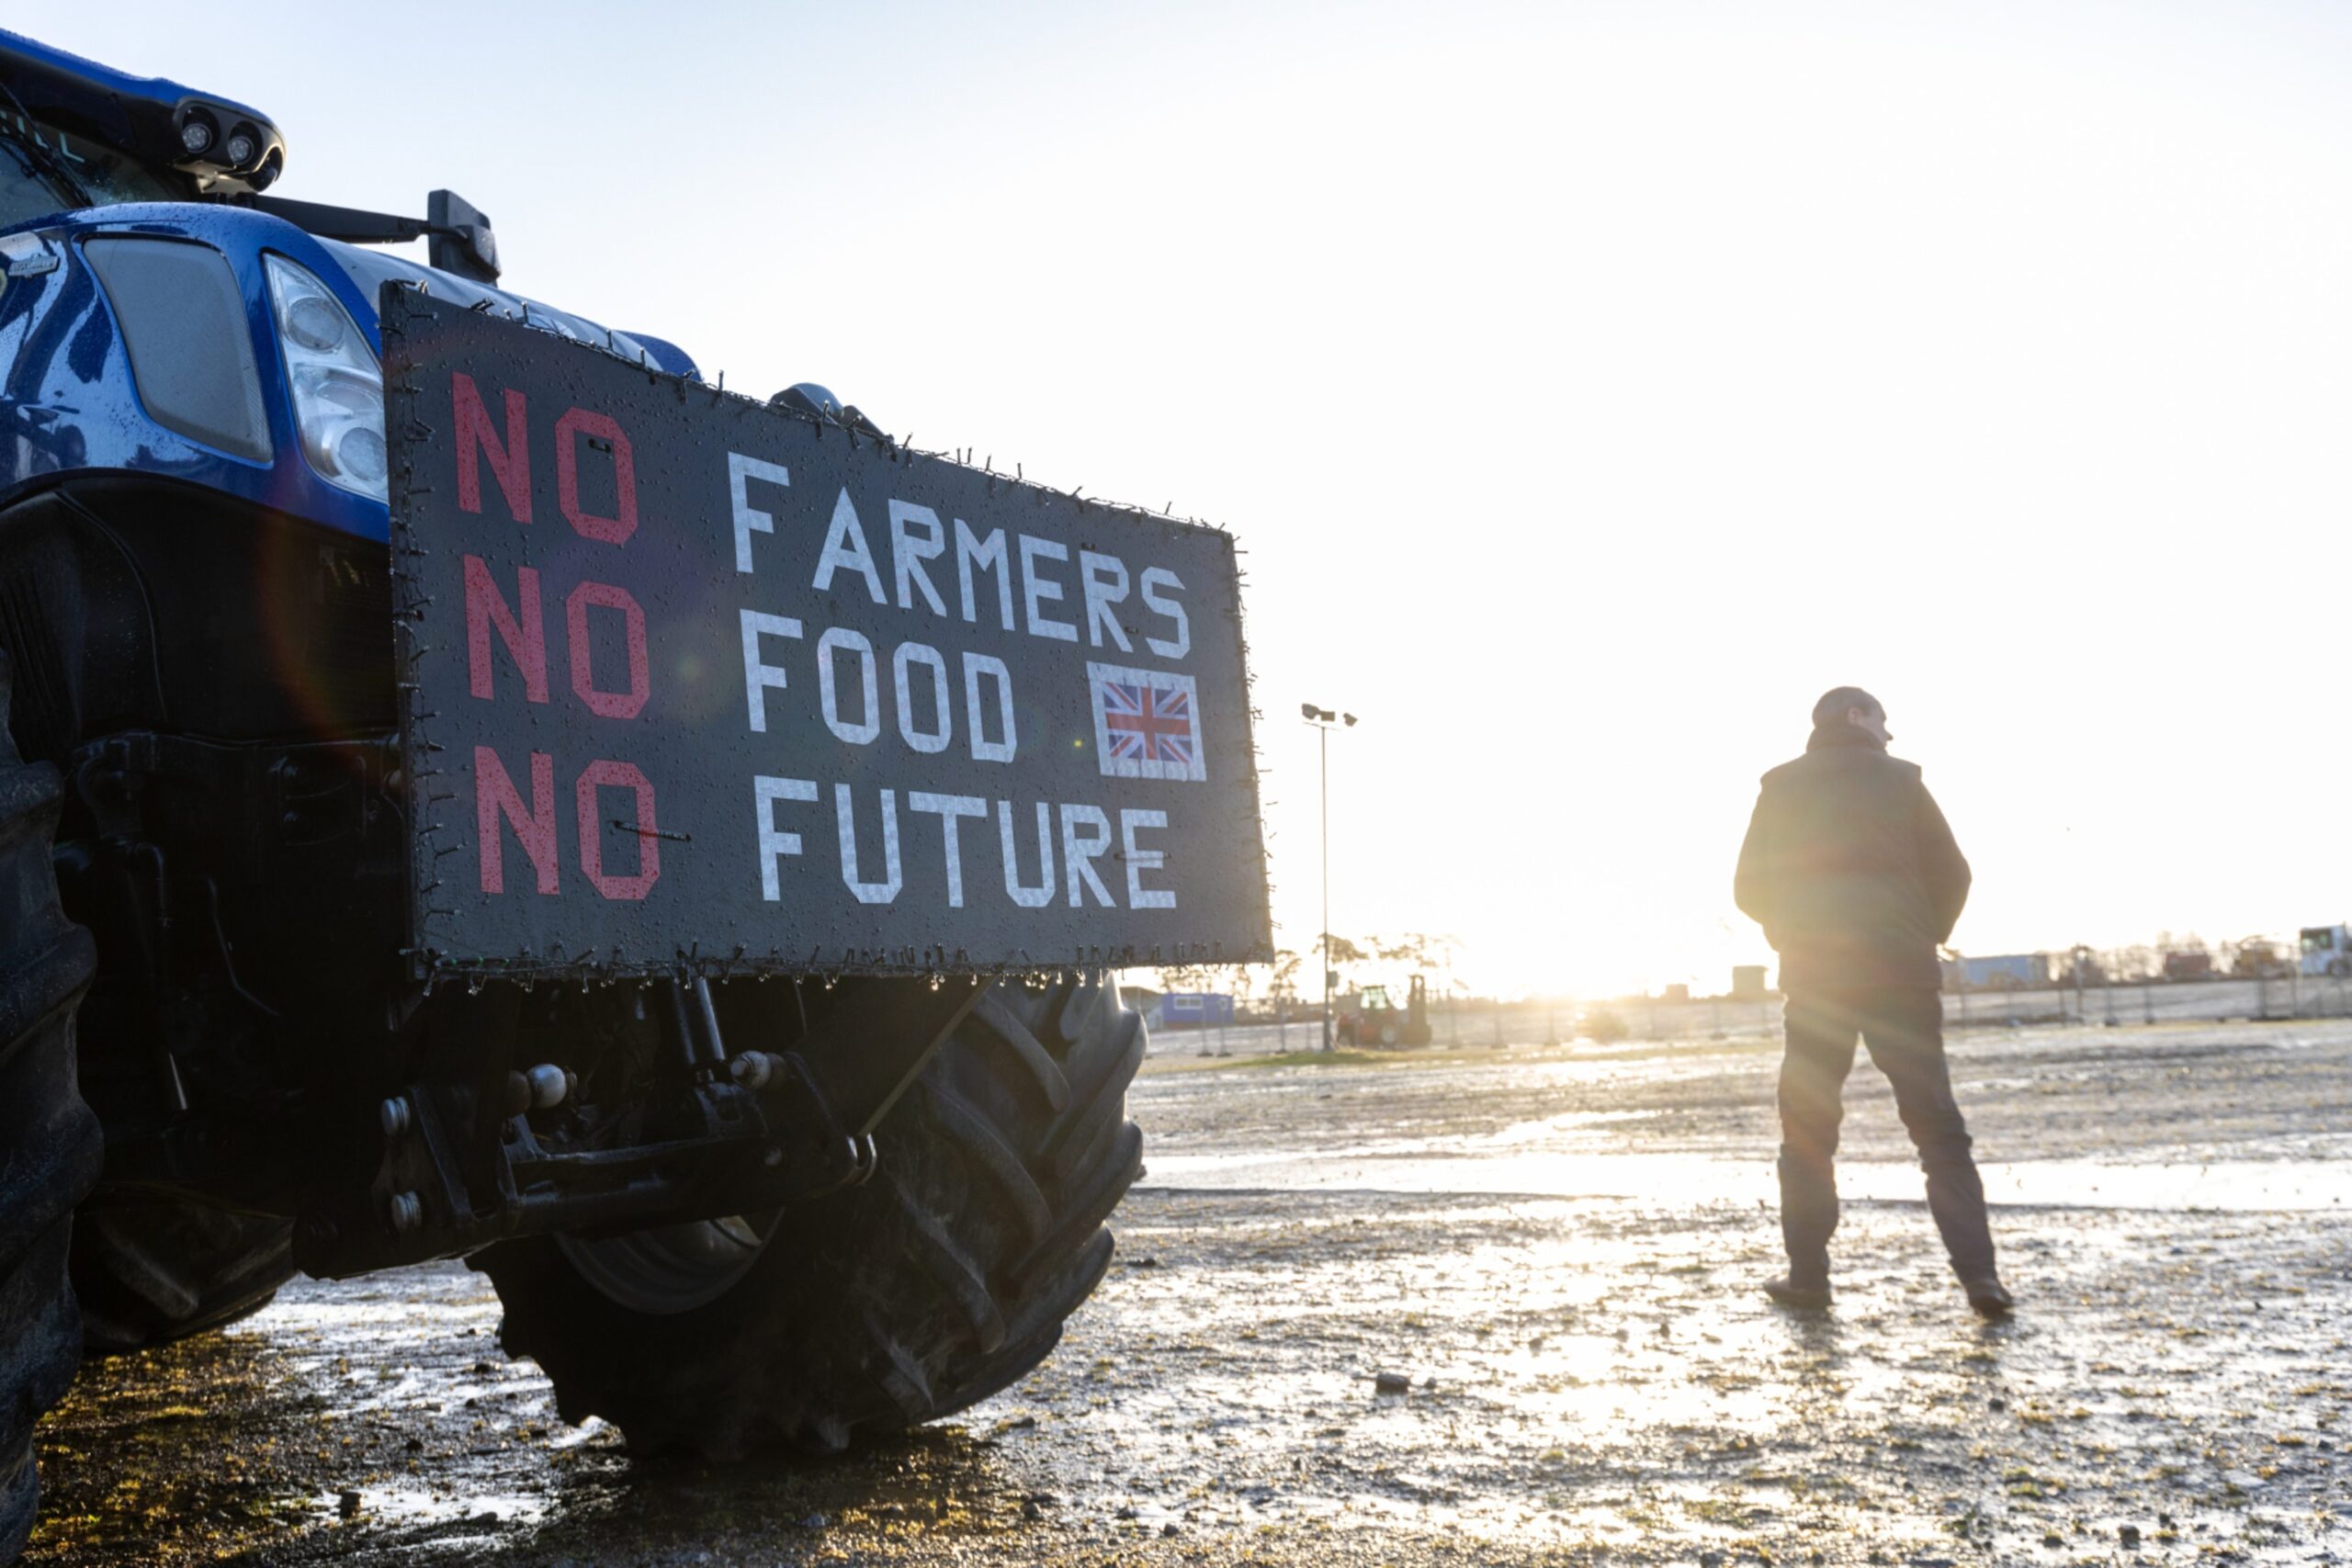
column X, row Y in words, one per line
column 1322, row 719
column 1323, row 769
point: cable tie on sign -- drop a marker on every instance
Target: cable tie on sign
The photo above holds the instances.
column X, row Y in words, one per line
column 654, row 833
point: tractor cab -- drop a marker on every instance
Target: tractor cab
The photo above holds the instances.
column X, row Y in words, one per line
column 76, row 134
column 2325, row 950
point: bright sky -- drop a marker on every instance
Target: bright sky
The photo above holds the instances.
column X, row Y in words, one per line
column 1590, row 384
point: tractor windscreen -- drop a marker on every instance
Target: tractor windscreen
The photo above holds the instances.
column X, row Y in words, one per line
column 45, row 170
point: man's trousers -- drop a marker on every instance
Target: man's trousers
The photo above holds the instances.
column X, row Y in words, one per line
column 1904, row 1027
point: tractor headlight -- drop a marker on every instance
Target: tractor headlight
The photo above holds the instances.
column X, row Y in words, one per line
column 333, row 377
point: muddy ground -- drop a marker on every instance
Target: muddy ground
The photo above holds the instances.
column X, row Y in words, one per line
column 1557, row 1249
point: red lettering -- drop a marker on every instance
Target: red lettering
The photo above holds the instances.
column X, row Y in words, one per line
column 510, row 460
column 495, row 797
column 486, row 607
column 613, row 530
column 618, row 775
column 606, row 704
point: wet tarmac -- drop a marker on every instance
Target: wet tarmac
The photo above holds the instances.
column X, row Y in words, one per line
column 1554, row 1252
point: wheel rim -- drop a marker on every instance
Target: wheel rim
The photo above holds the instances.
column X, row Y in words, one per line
column 672, row 1268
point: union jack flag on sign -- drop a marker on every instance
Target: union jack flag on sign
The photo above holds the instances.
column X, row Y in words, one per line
column 1147, row 723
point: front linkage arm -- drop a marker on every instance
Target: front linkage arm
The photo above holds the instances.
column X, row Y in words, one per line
column 461, row 1165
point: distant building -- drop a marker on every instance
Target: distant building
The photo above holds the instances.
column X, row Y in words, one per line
column 2003, row 972
column 1677, row 992
column 1190, row 1009
column 1748, row 982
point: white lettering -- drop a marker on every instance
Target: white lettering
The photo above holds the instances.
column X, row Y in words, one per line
column 774, row 843
column 886, row 890
column 948, row 808
column 908, row 553
column 757, row 676
column 1028, row 898
column 846, row 545
column 1035, row 588
column 835, row 639
column 972, row 552
column 983, row 749
column 1140, row 859
column 1181, row 643
column 749, row 519
column 1101, row 592
column 1079, row 854
column 919, row 653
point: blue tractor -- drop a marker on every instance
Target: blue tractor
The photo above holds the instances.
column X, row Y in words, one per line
column 208, row 1043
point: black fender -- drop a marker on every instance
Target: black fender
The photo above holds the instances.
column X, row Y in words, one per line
column 131, row 602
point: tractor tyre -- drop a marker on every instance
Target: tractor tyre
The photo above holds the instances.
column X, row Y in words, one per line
column 151, row 1267
column 943, row 1280
column 50, row 1144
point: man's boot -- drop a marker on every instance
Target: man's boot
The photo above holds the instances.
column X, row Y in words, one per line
column 1808, row 1219
column 1956, row 1198
column 1794, row 1289
column 1988, row 1295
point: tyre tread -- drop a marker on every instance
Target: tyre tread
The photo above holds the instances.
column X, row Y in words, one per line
column 50, row 1145
column 150, row 1268
column 942, row 1280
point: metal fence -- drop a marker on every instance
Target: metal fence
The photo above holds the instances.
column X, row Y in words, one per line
column 1466, row 1024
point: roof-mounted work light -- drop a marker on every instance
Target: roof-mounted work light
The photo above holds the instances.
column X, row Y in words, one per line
column 229, row 150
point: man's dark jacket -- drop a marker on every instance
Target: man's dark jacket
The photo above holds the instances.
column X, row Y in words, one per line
column 1849, row 867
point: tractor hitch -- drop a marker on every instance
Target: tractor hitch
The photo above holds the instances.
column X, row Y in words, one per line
column 460, row 1167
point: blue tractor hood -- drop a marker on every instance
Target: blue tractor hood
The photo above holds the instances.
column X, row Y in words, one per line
column 90, row 369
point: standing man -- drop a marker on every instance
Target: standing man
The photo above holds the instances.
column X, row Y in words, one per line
column 1852, row 872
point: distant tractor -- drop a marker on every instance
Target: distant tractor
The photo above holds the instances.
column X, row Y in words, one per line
column 1369, row 1017
column 2258, row 959
column 2326, row 950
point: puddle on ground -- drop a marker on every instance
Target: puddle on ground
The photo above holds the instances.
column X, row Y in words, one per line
column 2241, row 1184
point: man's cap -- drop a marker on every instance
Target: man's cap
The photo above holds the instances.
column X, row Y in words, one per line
column 1831, row 708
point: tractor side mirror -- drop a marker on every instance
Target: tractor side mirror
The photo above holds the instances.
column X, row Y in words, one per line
column 461, row 239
